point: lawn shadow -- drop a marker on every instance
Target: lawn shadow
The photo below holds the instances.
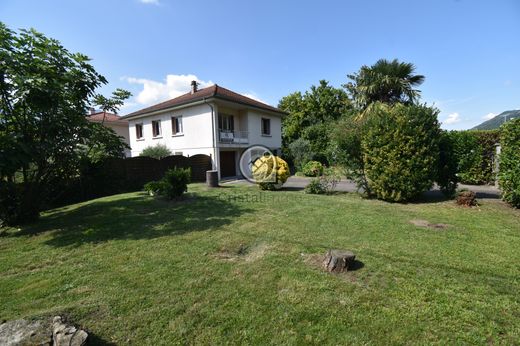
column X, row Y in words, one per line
column 134, row 217
column 355, row 265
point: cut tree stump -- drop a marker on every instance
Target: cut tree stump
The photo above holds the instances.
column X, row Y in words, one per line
column 338, row 261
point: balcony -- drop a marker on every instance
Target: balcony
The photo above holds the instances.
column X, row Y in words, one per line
column 233, row 137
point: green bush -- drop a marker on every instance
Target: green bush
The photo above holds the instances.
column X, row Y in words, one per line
column 346, row 152
column 509, row 169
column 313, row 169
column 474, row 152
column 401, row 150
column 324, row 184
column 157, row 152
column 172, row 185
column 447, row 169
column 301, row 153
column 10, row 211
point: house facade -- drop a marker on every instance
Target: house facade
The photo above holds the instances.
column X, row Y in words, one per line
column 214, row 121
column 113, row 121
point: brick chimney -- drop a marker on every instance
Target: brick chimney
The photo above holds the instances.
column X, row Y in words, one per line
column 194, row 86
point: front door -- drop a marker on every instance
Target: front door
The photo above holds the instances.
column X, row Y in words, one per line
column 227, row 164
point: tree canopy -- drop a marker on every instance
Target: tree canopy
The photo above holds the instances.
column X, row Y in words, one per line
column 45, row 92
column 386, row 81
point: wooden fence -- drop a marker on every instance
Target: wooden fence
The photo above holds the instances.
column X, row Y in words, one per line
column 137, row 171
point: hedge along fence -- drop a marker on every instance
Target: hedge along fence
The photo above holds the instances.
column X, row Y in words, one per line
column 509, row 174
column 475, row 154
column 115, row 175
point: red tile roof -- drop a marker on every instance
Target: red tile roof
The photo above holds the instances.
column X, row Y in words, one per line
column 214, row 91
column 106, row 118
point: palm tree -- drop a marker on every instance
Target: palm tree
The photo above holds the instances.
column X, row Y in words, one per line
column 386, row 81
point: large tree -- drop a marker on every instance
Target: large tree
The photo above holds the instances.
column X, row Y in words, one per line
column 45, row 92
column 388, row 82
column 312, row 115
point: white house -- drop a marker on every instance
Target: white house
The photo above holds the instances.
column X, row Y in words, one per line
column 214, row 121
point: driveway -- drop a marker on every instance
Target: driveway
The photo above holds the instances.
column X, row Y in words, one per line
column 299, row 183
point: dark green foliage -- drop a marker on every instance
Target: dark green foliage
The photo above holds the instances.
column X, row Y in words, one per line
column 45, row 92
column 157, row 152
column 386, row 81
column 499, row 120
column 301, row 152
column 172, row 185
column 346, row 151
column 401, row 151
column 447, row 170
column 313, row 169
column 475, row 152
column 311, row 117
column 315, row 187
column 509, row 171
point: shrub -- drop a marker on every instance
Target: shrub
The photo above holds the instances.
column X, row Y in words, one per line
column 301, row 152
column 324, row 184
column 474, row 152
column 270, row 172
column 401, row 150
column 172, row 185
column 346, row 151
column 313, row 169
column 157, row 152
column 447, row 170
column 10, row 211
column 466, row 198
column 509, row 169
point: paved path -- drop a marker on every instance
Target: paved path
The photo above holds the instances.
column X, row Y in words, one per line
column 299, row 183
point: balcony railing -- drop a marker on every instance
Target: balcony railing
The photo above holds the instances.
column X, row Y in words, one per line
column 233, row 137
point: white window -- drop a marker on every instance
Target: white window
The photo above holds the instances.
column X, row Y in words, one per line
column 156, row 128
column 139, row 131
column 266, row 127
column 177, row 125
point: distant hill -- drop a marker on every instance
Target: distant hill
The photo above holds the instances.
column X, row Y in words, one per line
column 494, row 123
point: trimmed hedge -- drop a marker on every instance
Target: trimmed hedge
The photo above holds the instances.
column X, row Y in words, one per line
column 401, row 151
column 475, row 153
column 509, row 171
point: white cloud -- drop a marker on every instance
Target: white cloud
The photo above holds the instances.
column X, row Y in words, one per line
column 452, row 118
column 149, row 2
column 173, row 86
column 489, row 116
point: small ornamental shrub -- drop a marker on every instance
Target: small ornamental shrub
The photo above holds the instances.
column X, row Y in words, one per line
column 270, row 172
column 466, row 198
column 157, row 152
column 324, row 184
column 401, row 150
column 315, row 187
column 509, row 168
column 313, row 169
column 172, row 185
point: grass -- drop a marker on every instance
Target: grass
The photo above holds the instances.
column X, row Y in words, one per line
column 235, row 265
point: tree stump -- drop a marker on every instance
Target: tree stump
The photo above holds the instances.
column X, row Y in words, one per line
column 338, row 261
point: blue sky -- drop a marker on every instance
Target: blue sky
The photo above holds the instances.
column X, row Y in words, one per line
column 469, row 51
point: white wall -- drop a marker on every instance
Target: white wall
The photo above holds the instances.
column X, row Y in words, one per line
column 274, row 141
column 120, row 130
column 196, row 139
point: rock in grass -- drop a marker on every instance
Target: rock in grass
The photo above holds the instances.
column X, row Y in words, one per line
column 338, row 261
column 65, row 335
column 25, row 332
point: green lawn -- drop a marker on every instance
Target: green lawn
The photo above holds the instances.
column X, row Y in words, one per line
column 235, row 265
